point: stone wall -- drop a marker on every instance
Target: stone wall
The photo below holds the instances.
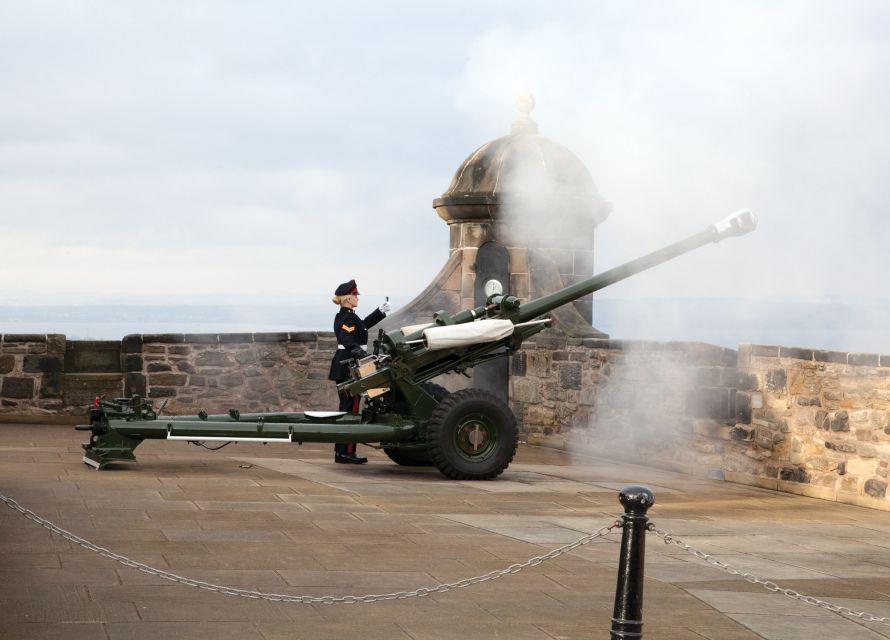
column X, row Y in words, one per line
column 817, row 423
column 31, row 369
column 251, row 371
column 45, row 375
column 805, row 421
column 670, row 404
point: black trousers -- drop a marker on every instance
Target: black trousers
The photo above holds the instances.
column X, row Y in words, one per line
column 348, row 403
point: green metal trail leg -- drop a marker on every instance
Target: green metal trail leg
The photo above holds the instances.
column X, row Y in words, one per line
column 110, row 447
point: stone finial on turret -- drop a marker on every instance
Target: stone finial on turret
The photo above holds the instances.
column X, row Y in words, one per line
column 525, row 103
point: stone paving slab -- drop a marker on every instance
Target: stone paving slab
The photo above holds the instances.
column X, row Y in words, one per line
column 284, row 519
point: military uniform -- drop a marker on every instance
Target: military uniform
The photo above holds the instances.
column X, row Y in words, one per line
column 352, row 342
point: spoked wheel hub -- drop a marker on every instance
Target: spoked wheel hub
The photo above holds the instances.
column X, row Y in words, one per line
column 476, row 436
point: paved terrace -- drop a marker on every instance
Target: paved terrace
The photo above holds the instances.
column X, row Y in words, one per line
column 285, row 519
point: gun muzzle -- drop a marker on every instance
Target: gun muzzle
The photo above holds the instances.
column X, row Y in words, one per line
column 737, row 224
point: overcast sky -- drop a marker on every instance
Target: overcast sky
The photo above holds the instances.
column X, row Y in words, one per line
column 229, row 148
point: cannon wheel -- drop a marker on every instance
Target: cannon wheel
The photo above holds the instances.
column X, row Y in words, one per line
column 472, row 435
column 417, row 456
column 410, row 457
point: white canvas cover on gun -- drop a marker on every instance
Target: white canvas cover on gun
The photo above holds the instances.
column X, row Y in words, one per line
column 462, row 335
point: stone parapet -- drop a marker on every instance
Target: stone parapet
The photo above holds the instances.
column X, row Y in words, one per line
column 250, row 371
column 31, row 373
column 284, row 371
column 818, row 420
column 670, row 403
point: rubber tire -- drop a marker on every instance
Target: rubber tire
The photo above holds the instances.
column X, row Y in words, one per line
column 409, row 457
column 443, row 433
column 436, row 390
column 417, row 457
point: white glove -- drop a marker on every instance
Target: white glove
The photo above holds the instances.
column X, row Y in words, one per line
column 384, row 308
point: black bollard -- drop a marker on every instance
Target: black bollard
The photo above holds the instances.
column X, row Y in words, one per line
column 627, row 617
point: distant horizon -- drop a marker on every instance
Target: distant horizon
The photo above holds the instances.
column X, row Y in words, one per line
column 724, row 321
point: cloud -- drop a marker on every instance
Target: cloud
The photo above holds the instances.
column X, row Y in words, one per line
column 689, row 111
column 215, row 146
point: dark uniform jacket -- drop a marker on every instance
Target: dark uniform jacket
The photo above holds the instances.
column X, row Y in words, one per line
column 352, row 335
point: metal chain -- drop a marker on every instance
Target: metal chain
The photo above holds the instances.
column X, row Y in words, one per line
column 278, row 597
column 767, row 584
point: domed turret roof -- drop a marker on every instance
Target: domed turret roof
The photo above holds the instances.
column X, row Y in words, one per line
column 519, row 167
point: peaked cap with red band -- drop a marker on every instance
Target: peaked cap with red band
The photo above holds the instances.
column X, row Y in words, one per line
column 347, row 289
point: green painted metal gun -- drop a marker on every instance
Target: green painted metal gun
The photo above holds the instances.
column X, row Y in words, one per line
column 468, row 435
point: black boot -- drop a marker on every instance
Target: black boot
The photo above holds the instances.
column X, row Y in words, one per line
column 349, row 458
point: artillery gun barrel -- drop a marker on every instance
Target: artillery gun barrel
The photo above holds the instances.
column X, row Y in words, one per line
column 737, row 224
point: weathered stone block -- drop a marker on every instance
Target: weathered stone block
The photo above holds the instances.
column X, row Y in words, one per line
column 839, row 357
column 168, row 379
column 822, row 420
column 796, row 354
column 746, row 381
column 162, row 392
column 213, row 359
column 51, row 385
column 776, row 380
column 270, row 337
column 839, row 421
column 809, row 401
column 164, row 338
column 840, row 447
column 861, row 467
column 21, row 388
column 201, row 338
column 570, row 375
column 24, row 337
column 259, row 385
column 764, row 438
column 131, row 362
column 131, row 344
column 537, row 415
column 179, row 350
column 526, row 390
column 154, row 367
column 56, row 344
column 875, row 488
column 134, row 383
column 231, row 380
column 518, row 364
column 764, row 351
column 7, row 364
column 185, row 367
column 794, row 474
column 245, row 357
column 864, row 359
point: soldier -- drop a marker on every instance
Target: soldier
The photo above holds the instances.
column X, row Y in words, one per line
column 352, row 342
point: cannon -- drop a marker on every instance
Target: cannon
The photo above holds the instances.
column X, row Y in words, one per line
column 467, row 435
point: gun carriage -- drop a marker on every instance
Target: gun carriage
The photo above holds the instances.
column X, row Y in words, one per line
column 468, row 435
